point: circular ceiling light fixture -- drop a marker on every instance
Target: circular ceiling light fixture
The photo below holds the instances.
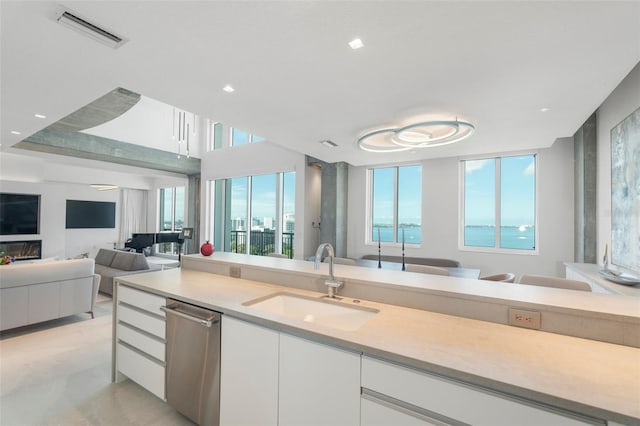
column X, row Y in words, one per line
column 424, row 134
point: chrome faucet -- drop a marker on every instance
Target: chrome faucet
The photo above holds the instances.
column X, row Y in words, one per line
column 331, row 283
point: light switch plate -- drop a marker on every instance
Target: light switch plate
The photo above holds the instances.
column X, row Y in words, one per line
column 523, row 318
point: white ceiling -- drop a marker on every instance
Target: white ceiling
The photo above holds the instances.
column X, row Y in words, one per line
column 297, row 81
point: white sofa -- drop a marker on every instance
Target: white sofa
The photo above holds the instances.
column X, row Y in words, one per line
column 42, row 291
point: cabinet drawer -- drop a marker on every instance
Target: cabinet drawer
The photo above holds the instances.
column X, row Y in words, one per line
column 378, row 414
column 143, row 321
column 141, row 299
column 456, row 400
column 145, row 372
column 150, row 345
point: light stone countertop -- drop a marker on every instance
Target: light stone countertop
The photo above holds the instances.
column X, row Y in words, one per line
column 590, row 273
column 585, row 376
column 608, row 306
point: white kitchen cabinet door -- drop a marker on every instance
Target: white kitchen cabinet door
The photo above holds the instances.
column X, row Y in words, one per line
column 248, row 374
column 319, row 384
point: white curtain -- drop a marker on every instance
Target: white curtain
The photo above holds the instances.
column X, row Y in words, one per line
column 133, row 213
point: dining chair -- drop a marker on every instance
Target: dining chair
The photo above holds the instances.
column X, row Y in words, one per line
column 283, row 256
column 547, row 281
column 424, row 269
column 507, row 277
column 341, row 261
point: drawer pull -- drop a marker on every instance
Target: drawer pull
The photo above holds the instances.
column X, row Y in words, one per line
column 410, row 409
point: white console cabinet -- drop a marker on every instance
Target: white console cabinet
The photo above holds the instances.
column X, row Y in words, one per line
column 272, row 378
column 140, row 338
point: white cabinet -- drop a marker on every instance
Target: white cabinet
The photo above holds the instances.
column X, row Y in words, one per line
column 140, row 338
column 248, row 374
column 14, row 307
column 270, row 378
column 319, row 384
column 451, row 402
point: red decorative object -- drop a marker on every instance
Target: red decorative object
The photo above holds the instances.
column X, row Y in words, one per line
column 206, row 249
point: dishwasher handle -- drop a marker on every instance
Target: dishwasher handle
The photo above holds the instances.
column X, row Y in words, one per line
column 205, row 322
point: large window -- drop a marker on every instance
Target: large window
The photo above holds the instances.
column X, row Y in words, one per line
column 221, row 136
column 396, row 204
column 255, row 214
column 172, row 212
column 500, row 203
column 240, row 137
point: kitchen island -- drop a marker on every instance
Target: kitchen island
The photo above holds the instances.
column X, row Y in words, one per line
column 576, row 376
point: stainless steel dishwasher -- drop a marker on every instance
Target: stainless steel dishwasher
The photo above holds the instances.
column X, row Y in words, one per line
column 193, row 361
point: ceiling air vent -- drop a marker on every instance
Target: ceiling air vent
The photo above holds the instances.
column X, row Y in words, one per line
column 89, row 29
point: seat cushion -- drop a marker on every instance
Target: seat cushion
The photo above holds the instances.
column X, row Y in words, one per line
column 105, row 257
column 127, row 261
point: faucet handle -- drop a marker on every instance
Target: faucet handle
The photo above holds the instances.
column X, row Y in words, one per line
column 334, row 283
column 332, row 287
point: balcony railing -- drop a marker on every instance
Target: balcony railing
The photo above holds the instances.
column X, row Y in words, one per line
column 261, row 242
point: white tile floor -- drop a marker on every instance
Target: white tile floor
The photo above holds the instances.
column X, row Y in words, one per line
column 59, row 373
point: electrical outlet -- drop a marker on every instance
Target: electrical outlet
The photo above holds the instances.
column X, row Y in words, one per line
column 522, row 318
column 234, row 272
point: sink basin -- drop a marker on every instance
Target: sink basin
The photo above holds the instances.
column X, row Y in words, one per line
column 320, row 311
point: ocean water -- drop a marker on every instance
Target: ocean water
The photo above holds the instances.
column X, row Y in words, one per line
column 512, row 237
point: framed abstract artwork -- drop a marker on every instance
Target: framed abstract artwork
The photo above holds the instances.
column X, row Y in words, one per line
column 625, row 193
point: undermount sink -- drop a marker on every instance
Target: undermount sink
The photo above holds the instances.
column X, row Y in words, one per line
column 320, row 311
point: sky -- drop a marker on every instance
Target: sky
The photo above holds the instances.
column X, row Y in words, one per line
column 517, row 191
column 409, row 195
column 263, row 195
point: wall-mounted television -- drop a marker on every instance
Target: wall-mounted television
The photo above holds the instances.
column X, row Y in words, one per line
column 91, row 214
column 19, row 214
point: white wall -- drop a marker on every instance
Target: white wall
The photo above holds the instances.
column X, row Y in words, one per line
column 624, row 100
column 440, row 216
column 57, row 179
column 152, row 124
column 56, row 240
column 250, row 160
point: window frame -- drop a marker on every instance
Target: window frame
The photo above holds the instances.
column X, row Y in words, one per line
column 160, row 219
column 496, row 249
column 217, row 226
column 369, row 240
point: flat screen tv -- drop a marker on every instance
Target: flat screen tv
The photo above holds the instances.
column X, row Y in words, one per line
column 19, row 214
column 90, row 214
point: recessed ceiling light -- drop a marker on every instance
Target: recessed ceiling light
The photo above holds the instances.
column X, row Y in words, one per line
column 356, row 43
column 228, row 89
column 15, row 132
column 545, row 109
column 39, row 116
column 329, row 144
